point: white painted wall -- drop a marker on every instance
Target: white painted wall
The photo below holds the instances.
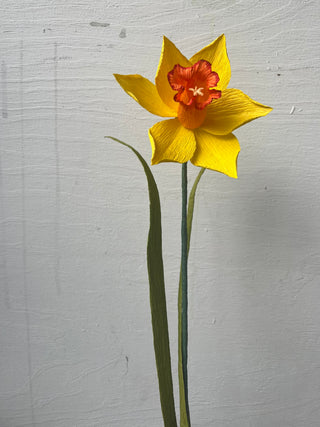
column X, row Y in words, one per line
column 75, row 340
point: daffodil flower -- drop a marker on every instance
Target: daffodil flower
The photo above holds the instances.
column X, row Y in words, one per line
column 194, row 92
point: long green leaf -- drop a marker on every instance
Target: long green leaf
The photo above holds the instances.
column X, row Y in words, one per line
column 158, row 297
column 184, row 418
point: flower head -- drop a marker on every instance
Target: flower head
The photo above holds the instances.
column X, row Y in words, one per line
column 194, row 92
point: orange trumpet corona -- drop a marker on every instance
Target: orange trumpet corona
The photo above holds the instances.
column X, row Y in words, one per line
column 194, row 86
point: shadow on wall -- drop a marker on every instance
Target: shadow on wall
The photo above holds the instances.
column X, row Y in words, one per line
column 275, row 263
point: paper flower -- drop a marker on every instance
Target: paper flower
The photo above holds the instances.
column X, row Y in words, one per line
column 205, row 112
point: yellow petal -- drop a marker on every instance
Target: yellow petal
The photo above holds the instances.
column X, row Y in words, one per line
column 216, row 54
column 171, row 142
column 145, row 93
column 170, row 56
column 232, row 110
column 216, row 152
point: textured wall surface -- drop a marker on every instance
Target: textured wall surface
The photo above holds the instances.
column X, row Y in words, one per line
column 75, row 339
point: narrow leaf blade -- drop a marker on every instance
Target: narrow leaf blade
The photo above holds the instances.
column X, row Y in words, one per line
column 158, row 297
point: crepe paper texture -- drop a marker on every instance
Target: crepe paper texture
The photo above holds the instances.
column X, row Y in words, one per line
column 158, row 297
column 158, row 300
column 182, row 345
column 205, row 113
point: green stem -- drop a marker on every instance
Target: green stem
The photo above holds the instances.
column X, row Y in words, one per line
column 184, row 420
column 184, row 286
